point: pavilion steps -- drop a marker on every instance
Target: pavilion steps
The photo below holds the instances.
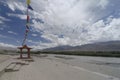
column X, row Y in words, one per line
column 3, row 65
column 15, row 66
column 10, row 67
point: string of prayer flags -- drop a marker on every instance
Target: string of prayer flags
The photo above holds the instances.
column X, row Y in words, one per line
column 27, row 21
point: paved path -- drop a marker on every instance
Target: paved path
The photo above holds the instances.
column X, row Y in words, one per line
column 49, row 69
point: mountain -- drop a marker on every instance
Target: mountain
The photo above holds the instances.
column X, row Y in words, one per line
column 100, row 46
column 7, row 48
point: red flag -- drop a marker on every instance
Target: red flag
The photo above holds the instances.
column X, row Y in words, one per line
column 28, row 18
column 27, row 30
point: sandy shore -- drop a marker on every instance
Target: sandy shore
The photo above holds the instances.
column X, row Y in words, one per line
column 3, row 58
column 51, row 68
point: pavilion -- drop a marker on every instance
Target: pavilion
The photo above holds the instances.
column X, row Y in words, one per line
column 28, row 51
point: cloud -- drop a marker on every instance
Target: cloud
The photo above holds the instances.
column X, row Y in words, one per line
column 103, row 3
column 73, row 22
column 43, row 46
column 7, row 45
column 79, row 21
column 18, row 41
column 14, row 5
column 2, row 19
column 11, row 32
column 34, row 35
column 56, row 39
column 21, row 16
column 9, row 39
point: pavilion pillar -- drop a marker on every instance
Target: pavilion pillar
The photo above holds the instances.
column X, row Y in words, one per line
column 28, row 53
column 21, row 53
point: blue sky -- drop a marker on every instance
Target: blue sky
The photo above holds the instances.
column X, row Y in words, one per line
column 59, row 22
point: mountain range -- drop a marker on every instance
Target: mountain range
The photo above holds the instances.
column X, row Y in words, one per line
column 99, row 46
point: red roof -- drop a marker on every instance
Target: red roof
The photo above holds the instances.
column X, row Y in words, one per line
column 24, row 47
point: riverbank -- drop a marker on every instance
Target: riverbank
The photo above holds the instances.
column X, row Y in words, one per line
column 52, row 67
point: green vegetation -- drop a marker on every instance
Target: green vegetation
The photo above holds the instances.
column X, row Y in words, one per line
column 3, row 51
column 80, row 53
column 83, row 53
column 7, row 51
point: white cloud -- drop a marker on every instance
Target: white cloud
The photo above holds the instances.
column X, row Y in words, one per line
column 13, row 5
column 55, row 39
column 7, row 45
column 18, row 41
column 33, row 42
column 78, row 21
column 34, row 35
column 3, row 19
column 17, row 15
column 11, row 32
column 103, row 3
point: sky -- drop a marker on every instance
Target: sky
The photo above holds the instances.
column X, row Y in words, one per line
column 59, row 22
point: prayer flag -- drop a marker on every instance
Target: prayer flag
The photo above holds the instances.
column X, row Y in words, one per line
column 28, row 24
column 28, row 2
column 29, row 7
column 28, row 18
column 27, row 30
column 27, row 27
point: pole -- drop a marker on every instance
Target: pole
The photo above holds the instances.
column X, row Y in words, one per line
column 27, row 21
